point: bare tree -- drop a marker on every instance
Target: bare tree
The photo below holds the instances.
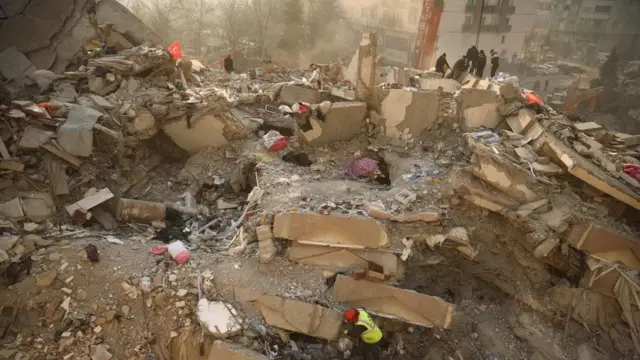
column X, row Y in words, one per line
column 195, row 16
column 233, row 24
column 262, row 13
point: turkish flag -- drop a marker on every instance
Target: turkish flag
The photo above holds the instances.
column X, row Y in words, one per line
column 175, row 50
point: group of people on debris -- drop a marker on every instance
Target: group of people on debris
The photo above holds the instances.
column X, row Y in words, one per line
column 474, row 62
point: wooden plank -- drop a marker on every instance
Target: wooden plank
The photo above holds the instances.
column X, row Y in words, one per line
column 4, row 151
column 11, row 165
column 58, row 179
column 50, row 147
column 90, row 202
column 607, row 244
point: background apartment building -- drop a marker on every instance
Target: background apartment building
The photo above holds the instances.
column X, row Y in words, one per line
column 503, row 26
column 588, row 29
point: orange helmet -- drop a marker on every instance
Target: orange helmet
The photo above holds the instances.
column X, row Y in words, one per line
column 351, row 315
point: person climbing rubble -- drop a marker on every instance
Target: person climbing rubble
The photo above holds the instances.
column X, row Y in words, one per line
column 472, row 58
column 482, row 62
column 459, row 68
column 495, row 62
column 442, row 64
column 358, row 324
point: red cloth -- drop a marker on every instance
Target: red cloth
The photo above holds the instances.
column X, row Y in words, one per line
column 175, row 50
column 632, row 170
column 361, row 167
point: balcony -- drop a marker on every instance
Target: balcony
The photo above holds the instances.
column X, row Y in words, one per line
column 491, row 9
column 495, row 28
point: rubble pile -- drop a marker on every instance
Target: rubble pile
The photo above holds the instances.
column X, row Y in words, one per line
column 154, row 207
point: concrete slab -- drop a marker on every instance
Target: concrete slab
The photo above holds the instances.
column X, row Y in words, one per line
column 330, row 230
column 394, row 303
column 207, row 131
column 14, row 65
column 448, row 85
column 76, row 134
column 485, row 115
column 344, row 122
column 291, row 94
column 409, row 111
column 522, row 122
column 472, row 98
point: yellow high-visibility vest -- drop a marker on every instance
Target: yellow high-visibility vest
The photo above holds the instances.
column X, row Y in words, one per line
column 373, row 334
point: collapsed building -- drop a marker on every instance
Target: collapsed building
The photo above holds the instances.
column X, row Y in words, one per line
column 473, row 194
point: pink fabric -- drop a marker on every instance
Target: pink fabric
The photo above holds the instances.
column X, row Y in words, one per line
column 633, row 170
column 361, row 167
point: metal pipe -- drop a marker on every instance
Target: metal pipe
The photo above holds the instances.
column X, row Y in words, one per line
column 480, row 23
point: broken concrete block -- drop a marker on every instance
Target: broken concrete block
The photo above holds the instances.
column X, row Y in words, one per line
column 343, row 258
column 588, row 172
column 377, row 213
column 80, row 208
column 297, row 316
column 14, row 65
column 550, row 168
column 206, row 131
column 217, row 317
column 395, row 303
column 525, row 154
column 33, row 137
column 266, row 251
column 521, row 122
column 76, row 134
column 510, row 92
column 330, row 230
column 101, row 102
column 449, row 86
column 65, row 93
column 510, row 180
column 485, row 115
column 473, row 98
column 605, row 243
column 546, row 247
column 587, row 126
column 144, row 125
column 558, row 218
column 344, row 122
column 96, row 84
column 478, row 193
column 37, row 206
column 409, row 111
column 12, row 209
column 291, row 94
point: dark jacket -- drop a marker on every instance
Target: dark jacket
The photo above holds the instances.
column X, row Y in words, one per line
column 495, row 60
column 441, row 62
column 472, row 53
column 482, row 60
column 228, row 64
column 460, row 65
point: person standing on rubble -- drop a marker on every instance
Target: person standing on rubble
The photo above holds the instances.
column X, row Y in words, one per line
column 458, row 69
column 228, row 64
column 472, row 58
column 482, row 62
column 358, row 324
column 442, row 64
column 495, row 62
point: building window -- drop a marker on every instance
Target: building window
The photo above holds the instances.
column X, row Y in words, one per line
column 503, row 53
column 504, row 37
column 467, row 19
column 471, row 2
column 483, row 20
column 507, row 20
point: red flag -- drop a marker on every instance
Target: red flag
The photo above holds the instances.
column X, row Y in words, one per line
column 175, row 50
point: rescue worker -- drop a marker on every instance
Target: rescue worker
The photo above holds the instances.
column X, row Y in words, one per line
column 442, row 64
column 495, row 62
column 482, row 62
column 472, row 58
column 459, row 69
column 359, row 324
column 228, row 64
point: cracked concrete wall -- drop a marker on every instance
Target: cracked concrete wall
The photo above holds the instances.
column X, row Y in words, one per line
column 50, row 33
column 409, row 111
column 343, row 122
